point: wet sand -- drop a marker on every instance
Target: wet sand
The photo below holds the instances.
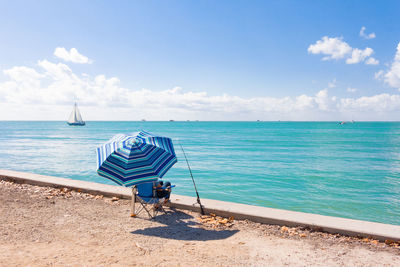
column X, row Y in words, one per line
column 43, row 226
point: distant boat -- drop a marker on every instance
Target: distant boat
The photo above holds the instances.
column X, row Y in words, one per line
column 75, row 119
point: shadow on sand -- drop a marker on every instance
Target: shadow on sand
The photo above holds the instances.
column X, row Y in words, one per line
column 180, row 226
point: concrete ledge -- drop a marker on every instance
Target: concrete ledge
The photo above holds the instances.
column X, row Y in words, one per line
column 238, row 211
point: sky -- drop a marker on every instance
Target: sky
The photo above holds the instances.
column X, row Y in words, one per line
column 200, row 60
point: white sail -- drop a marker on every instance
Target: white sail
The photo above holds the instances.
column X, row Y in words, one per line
column 78, row 116
column 72, row 116
column 75, row 118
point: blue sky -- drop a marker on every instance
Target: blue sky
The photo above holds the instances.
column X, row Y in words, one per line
column 236, row 52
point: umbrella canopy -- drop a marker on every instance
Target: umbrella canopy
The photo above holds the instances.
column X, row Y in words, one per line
column 133, row 159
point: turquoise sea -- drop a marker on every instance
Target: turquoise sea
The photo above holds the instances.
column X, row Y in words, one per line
column 350, row 170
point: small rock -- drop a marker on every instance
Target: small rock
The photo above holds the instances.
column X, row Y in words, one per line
column 114, row 199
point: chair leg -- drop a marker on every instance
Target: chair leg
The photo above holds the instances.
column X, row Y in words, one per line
column 152, row 212
column 134, row 211
column 148, row 212
column 133, row 201
column 155, row 209
column 162, row 208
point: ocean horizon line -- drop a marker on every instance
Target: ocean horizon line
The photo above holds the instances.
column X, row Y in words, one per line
column 205, row 121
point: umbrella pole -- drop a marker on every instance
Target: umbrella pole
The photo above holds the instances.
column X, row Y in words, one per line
column 133, row 201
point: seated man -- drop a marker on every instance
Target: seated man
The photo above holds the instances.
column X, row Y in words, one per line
column 163, row 191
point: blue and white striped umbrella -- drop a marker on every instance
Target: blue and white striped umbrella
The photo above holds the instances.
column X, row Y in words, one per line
column 133, row 159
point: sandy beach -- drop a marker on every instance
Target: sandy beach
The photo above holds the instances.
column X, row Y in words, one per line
column 43, row 226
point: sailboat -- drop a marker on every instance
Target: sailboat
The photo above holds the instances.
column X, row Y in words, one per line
column 75, row 119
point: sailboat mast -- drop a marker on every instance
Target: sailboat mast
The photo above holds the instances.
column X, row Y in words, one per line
column 75, row 117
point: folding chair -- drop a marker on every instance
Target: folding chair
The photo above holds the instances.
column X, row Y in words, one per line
column 145, row 194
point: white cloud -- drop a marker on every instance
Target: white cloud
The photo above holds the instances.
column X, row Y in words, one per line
column 47, row 91
column 366, row 36
column 72, row 55
column 336, row 48
column 332, row 84
column 358, row 55
column 392, row 76
column 22, row 74
column 372, row 61
column 379, row 75
column 378, row 103
column 351, row 90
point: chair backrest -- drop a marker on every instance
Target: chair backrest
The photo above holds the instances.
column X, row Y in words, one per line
column 145, row 189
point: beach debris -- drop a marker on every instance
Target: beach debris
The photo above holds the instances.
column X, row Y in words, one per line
column 141, row 248
column 375, row 242
column 224, row 221
column 370, row 240
column 391, row 242
column 294, row 231
column 52, row 193
column 284, row 229
column 216, row 221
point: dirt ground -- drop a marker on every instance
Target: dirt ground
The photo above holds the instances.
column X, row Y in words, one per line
column 43, row 226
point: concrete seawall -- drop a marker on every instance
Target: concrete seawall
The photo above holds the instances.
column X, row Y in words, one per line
column 238, row 211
